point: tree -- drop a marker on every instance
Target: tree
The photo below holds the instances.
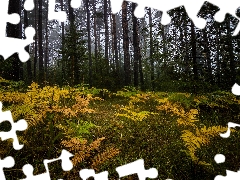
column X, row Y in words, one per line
column 29, row 64
column 126, row 45
column 63, row 39
column 137, row 54
column 14, row 31
column 73, row 56
column 106, row 35
column 230, row 52
column 151, row 49
column 40, row 43
column 194, row 52
column 115, row 48
column 89, row 43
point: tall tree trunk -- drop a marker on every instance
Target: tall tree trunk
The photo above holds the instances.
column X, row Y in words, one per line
column 36, row 42
column 208, row 57
column 29, row 65
column 142, row 51
column 89, row 43
column 20, row 36
column 137, row 54
column 115, row 45
column 106, row 35
column 151, row 49
column 218, row 36
column 14, row 31
column 63, row 39
column 40, row 44
column 194, row 53
column 231, row 55
column 95, row 37
column 46, row 50
column 111, row 53
column 74, row 59
column 186, row 47
column 126, row 45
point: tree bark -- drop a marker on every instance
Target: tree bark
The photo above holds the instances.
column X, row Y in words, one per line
column 36, row 42
column 126, row 45
column 89, row 43
column 106, row 35
column 151, row 49
column 29, row 65
column 63, row 39
column 95, row 36
column 137, row 54
column 14, row 31
column 40, row 44
column 115, row 44
column 46, row 51
column 208, row 57
column 73, row 58
column 231, row 55
column 193, row 43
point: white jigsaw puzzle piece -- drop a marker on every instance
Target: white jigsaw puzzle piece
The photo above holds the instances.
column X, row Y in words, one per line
column 60, row 15
column 230, row 175
column 236, row 89
column 230, row 125
column 21, row 125
column 7, row 162
column 66, row 166
column 192, row 9
column 137, row 167
column 29, row 5
column 9, row 45
column 76, row 3
column 87, row 173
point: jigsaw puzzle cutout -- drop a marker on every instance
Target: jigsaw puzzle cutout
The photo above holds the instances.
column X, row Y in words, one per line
column 220, row 158
column 66, row 166
column 230, row 175
column 137, row 167
column 61, row 16
column 87, row 173
column 76, row 3
column 21, row 125
column 192, row 9
column 7, row 162
column 236, row 89
column 29, row 5
column 13, row 45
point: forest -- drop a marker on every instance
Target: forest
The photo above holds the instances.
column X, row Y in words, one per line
column 113, row 88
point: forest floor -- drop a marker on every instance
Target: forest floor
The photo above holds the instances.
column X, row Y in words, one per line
column 176, row 133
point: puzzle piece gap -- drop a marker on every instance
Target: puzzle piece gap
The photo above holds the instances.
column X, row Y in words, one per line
column 219, row 158
column 87, row 173
column 66, row 166
column 29, row 5
column 20, row 125
column 137, row 167
column 75, row 3
column 13, row 18
column 7, row 162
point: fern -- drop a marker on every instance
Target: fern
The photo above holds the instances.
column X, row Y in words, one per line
column 201, row 137
column 84, row 152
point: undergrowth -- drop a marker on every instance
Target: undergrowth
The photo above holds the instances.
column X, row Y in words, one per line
column 176, row 133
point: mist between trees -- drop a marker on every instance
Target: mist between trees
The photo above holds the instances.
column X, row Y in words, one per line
column 96, row 48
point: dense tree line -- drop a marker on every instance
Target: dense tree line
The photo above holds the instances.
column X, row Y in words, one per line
column 97, row 48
